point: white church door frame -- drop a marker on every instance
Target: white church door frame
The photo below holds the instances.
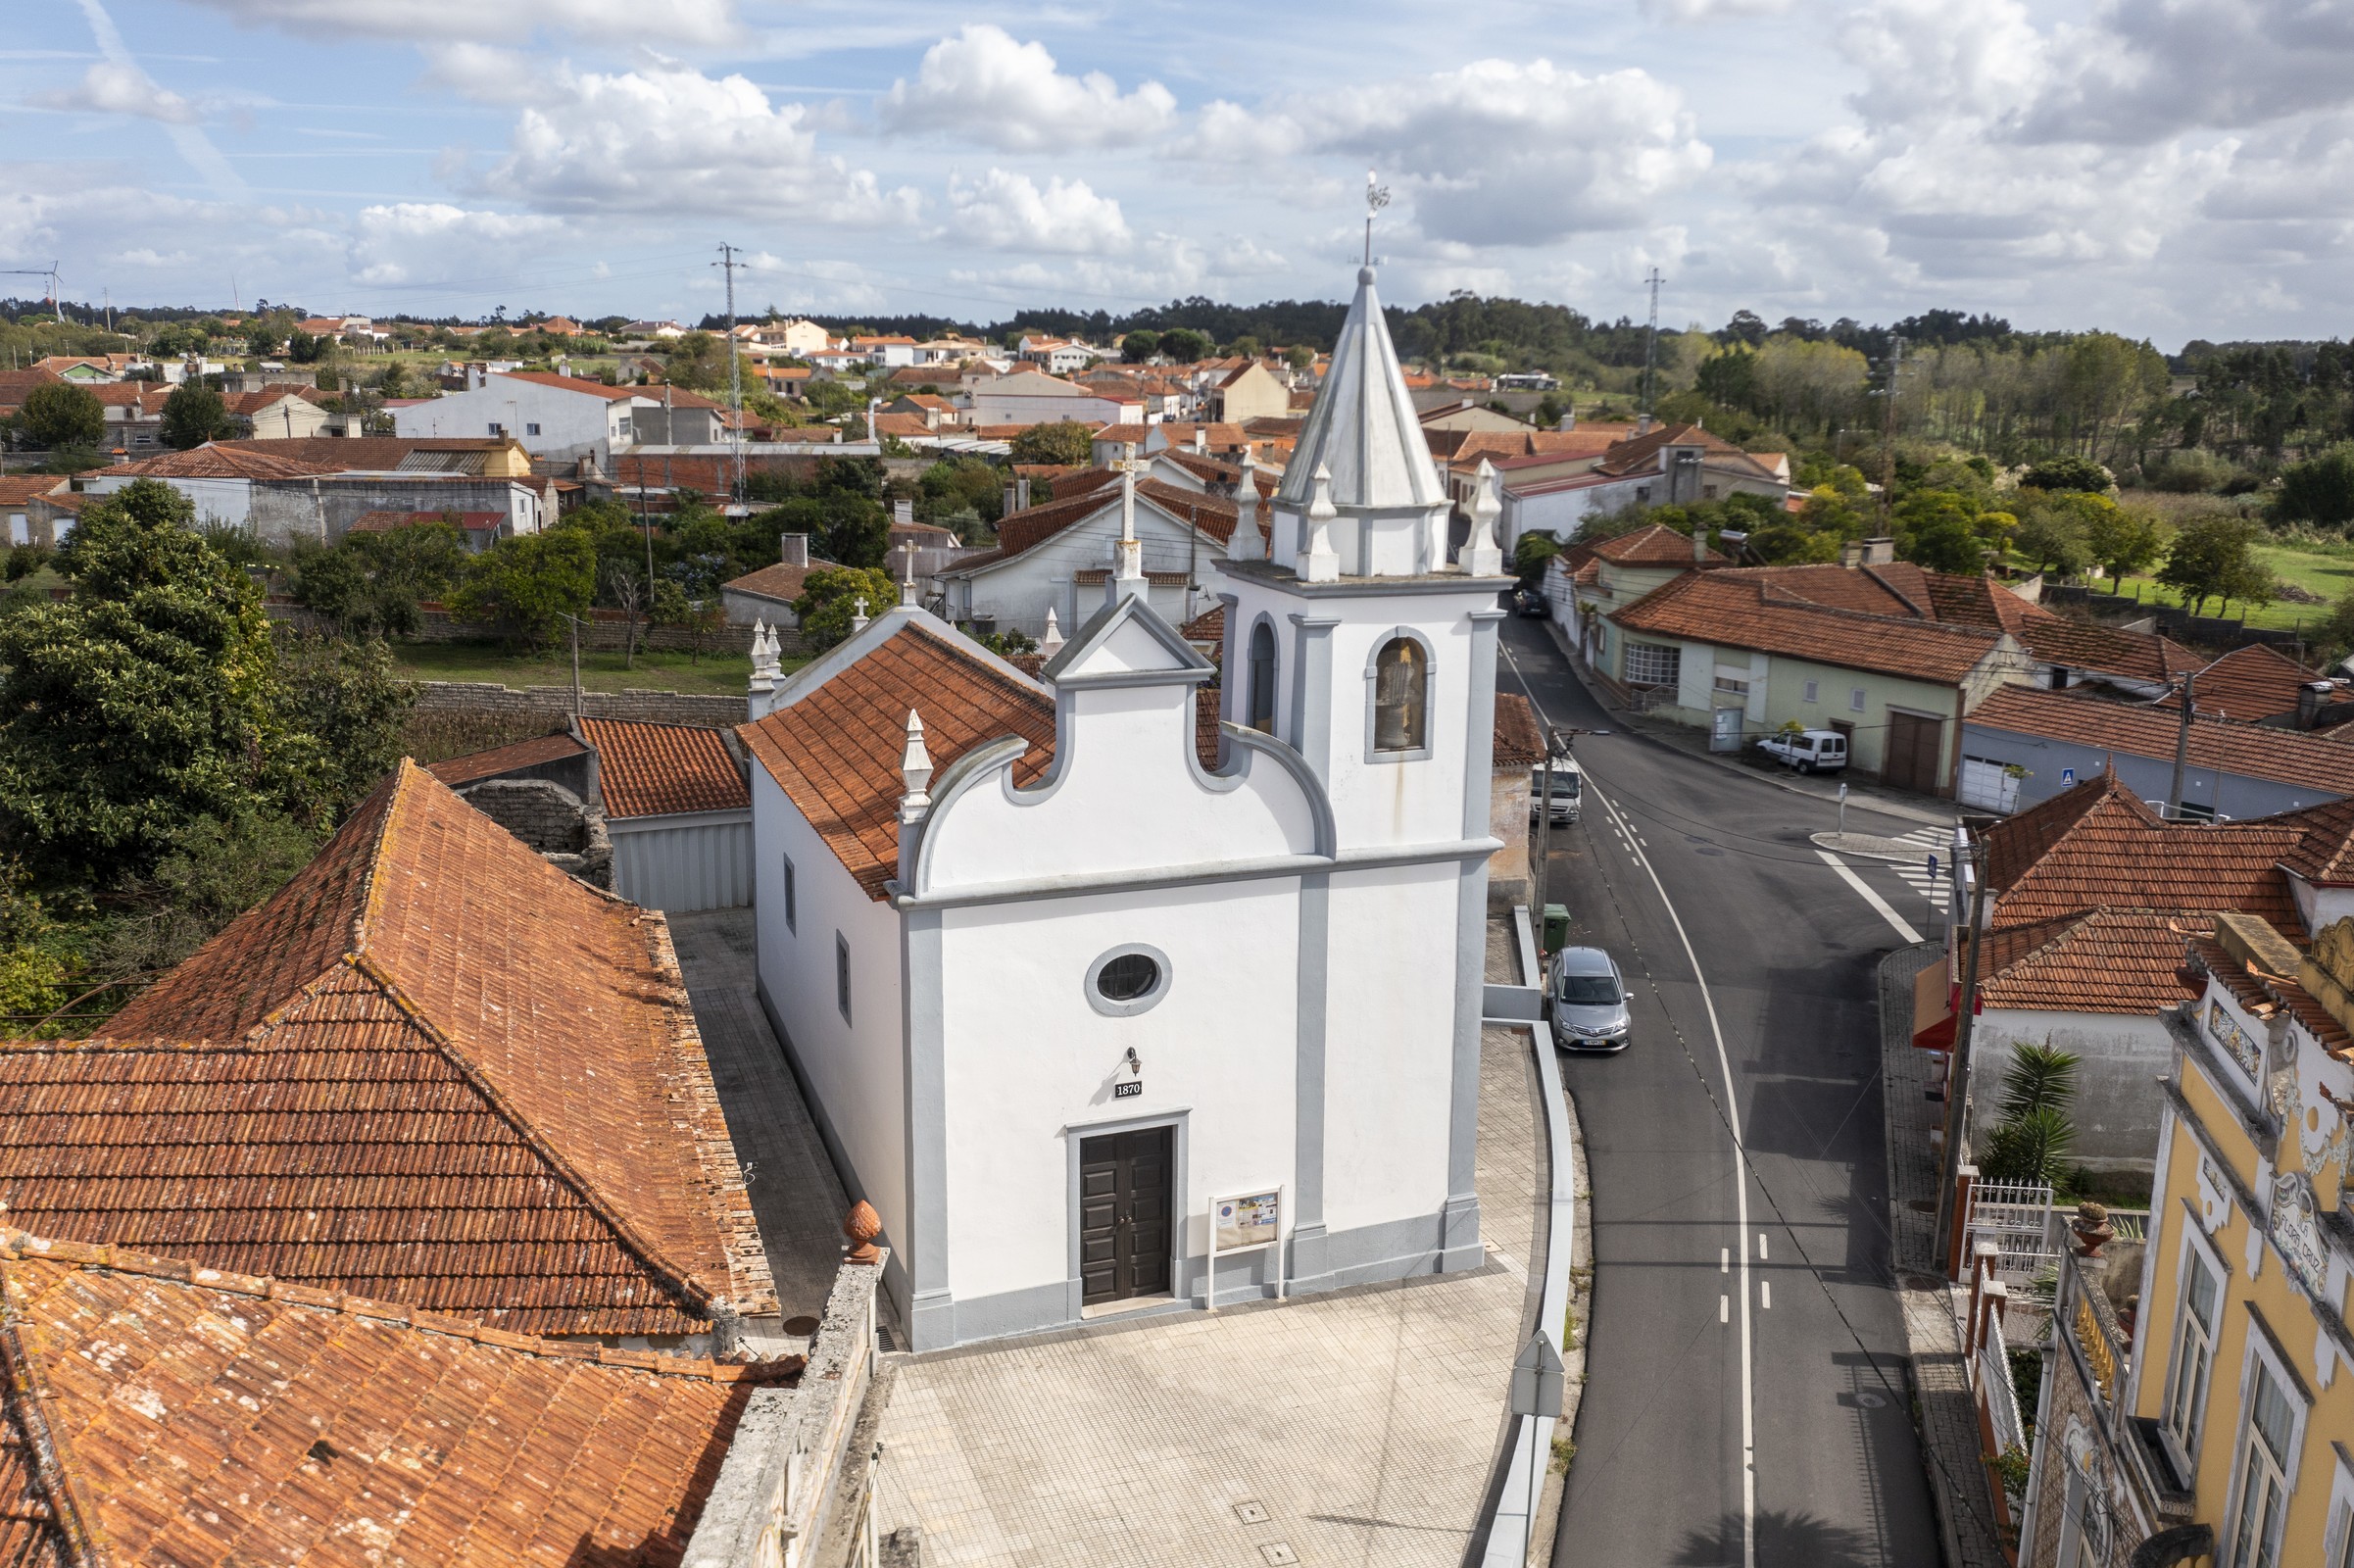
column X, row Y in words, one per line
column 1178, row 1121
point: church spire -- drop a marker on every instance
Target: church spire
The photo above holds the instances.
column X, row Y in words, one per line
column 1364, row 427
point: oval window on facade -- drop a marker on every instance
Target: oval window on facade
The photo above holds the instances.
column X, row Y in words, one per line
column 1127, row 977
column 1127, row 980
column 1400, row 682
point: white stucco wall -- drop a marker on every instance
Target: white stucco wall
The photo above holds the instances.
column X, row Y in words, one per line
column 219, row 503
column 2121, row 1056
column 856, row 1077
column 1390, row 1042
column 571, row 424
column 1217, row 1048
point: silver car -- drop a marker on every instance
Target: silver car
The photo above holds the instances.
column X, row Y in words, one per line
column 1588, row 1000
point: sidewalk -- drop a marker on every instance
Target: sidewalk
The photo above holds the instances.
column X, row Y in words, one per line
column 1948, row 1411
column 1861, row 796
column 1361, row 1426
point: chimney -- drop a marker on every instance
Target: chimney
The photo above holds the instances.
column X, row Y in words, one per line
column 1879, row 551
column 1021, row 492
column 796, row 551
column 1012, row 505
column 1567, row 422
column 2310, row 698
column 1851, row 552
column 1699, row 544
column 1200, row 438
column 1643, row 424
column 902, row 512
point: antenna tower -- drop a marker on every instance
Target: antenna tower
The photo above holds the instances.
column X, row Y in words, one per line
column 735, row 377
column 1650, row 341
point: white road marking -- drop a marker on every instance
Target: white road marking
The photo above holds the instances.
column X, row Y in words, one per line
column 1765, row 1295
column 1904, row 929
column 1761, row 1248
column 1723, row 1311
column 1724, row 1260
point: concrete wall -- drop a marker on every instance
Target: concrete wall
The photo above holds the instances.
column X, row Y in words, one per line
column 285, row 509
column 2232, row 794
column 1508, row 874
column 571, row 424
column 2118, row 1101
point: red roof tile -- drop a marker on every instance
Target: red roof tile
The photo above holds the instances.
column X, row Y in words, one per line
column 2282, row 755
column 458, row 770
column 648, row 769
column 2248, row 684
column 835, row 751
column 2105, row 960
column 565, row 1161
column 213, row 462
column 156, row 1416
column 1746, row 609
column 781, row 581
column 1653, row 545
column 1519, row 742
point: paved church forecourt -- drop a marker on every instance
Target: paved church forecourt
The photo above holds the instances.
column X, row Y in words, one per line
column 1363, row 1424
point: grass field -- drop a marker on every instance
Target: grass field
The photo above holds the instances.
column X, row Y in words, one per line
column 722, row 675
column 2321, row 567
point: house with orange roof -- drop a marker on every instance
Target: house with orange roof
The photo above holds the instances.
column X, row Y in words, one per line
column 1670, row 465
column 559, row 418
column 1069, row 971
column 277, row 414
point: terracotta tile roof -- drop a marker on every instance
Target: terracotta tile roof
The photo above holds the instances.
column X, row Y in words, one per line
column 2324, row 852
column 1642, row 452
column 564, row 1164
column 2233, row 973
column 1026, row 529
column 1519, row 742
column 648, row 769
column 835, row 751
column 160, row 1415
column 499, row 760
column 1740, row 610
column 2248, row 684
column 593, row 389
column 1897, row 588
column 1209, row 626
column 1206, row 736
column 2265, row 995
column 2104, row 961
column 375, row 454
column 18, row 488
column 2283, row 756
column 1125, row 434
column 781, row 581
column 1653, row 545
column 148, row 396
column 2096, row 845
column 254, row 402
column 2085, row 645
column 902, row 425
column 216, row 461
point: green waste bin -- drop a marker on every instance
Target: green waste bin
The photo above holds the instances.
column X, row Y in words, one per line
column 1556, row 927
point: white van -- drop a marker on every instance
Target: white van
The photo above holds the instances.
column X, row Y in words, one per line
column 1810, row 751
column 1569, row 791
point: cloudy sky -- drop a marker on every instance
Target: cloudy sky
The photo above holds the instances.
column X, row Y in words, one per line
column 2165, row 167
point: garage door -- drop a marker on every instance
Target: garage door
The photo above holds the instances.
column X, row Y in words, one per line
column 1912, row 755
column 1988, row 785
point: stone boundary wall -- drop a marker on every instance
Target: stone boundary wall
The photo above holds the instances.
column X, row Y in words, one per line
column 554, row 703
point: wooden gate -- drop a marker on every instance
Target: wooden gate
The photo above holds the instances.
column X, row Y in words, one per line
column 1911, row 761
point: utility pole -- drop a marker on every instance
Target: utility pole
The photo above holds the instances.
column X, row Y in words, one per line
column 1887, row 427
column 1650, row 344
column 735, row 374
column 2174, row 791
column 1957, row 1078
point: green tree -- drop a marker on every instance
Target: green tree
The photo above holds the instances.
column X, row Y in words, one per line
column 193, row 414
column 64, row 416
column 1139, row 346
column 2209, row 556
column 1299, row 355
column 2319, row 489
column 148, row 699
column 1183, row 345
column 349, row 699
column 1531, row 554
column 213, row 870
column 529, row 584
column 1066, row 442
column 2068, row 473
column 370, row 584
column 2033, row 1140
column 1938, row 529
column 2122, row 540
column 830, row 597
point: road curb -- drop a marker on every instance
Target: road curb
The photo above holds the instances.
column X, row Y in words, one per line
column 1635, row 725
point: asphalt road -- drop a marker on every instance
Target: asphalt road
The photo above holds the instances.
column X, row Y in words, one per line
column 1787, row 950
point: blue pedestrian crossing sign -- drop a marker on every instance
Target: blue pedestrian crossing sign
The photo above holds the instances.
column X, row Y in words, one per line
column 2067, row 777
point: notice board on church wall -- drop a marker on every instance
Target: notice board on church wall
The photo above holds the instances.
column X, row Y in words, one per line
column 1255, row 1221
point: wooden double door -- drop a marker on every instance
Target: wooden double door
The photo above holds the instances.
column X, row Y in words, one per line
column 1126, row 1189
column 1914, row 744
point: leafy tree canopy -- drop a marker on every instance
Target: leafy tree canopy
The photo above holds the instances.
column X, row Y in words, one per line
column 64, row 416
column 1068, row 441
column 831, row 595
column 2319, row 489
column 195, row 414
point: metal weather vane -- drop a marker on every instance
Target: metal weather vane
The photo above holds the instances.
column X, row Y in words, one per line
column 1377, row 197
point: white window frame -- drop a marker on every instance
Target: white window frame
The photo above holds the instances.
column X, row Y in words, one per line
column 2259, row 1354
column 1814, row 691
column 1857, row 697
column 2184, row 1444
column 1667, row 655
column 2339, row 1546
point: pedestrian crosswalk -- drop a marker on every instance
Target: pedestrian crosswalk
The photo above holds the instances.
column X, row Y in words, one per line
column 1932, row 841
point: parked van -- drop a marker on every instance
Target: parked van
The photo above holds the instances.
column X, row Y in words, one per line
column 1810, row 751
column 1569, row 791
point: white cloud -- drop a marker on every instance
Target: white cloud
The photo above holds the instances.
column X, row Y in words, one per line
column 1697, row 11
column 108, row 88
column 666, row 138
column 1009, row 211
column 433, row 242
column 483, row 72
column 683, row 22
column 1496, row 153
column 2143, row 70
column 983, row 86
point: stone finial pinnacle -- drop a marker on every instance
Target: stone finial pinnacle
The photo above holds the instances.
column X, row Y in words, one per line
column 914, row 767
column 1246, row 543
column 1481, row 556
column 1052, row 643
column 1317, row 563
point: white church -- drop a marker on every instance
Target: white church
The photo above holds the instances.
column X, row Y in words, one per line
column 1059, row 972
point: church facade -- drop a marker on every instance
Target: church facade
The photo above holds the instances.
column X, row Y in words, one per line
column 1088, row 972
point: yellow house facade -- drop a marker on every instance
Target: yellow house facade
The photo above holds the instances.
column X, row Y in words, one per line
column 2200, row 1410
